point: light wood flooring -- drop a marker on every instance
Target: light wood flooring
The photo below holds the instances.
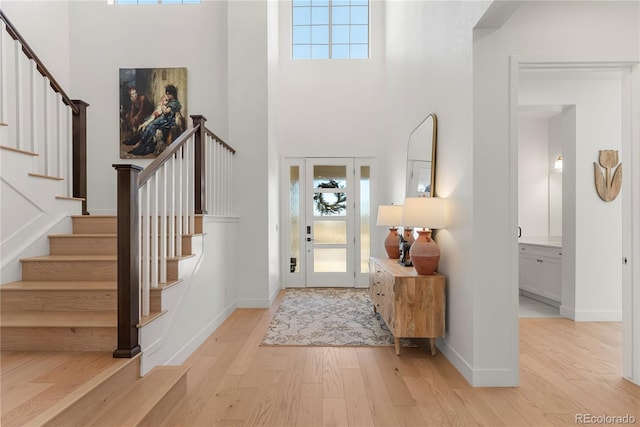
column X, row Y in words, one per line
column 567, row 368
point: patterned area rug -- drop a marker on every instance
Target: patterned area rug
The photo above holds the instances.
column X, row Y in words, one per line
column 328, row 317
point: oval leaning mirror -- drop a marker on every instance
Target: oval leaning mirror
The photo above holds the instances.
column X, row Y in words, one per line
column 421, row 158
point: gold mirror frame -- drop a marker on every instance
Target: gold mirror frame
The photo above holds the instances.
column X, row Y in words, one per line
column 421, row 158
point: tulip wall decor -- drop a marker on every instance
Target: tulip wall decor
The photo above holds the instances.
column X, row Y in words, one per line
column 608, row 185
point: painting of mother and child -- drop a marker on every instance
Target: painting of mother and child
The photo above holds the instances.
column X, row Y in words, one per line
column 152, row 110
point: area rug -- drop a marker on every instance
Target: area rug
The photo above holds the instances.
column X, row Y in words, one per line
column 328, row 317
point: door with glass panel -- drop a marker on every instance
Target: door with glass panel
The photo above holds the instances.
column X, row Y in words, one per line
column 327, row 229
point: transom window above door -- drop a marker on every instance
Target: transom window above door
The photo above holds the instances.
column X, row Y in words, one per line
column 330, row 29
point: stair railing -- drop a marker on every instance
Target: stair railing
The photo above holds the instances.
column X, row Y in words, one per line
column 42, row 118
column 156, row 208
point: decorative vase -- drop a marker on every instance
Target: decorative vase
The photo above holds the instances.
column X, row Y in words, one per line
column 391, row 243
column 425, row 253
column 408, row 235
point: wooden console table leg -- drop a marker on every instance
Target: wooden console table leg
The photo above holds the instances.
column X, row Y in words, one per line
column 396, row 341
column 432, row 344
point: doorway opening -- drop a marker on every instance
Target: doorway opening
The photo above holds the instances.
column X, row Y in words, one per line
column 602, row 101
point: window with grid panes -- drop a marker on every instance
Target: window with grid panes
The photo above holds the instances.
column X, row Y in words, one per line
column 153, row 1
column 330, row 29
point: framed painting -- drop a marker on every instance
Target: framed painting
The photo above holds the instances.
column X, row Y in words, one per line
column 153, row 110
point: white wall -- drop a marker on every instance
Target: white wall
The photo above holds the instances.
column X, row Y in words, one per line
column 197, row 305
column 597, row 271
column 273, row 10
column 248, row 131
column 105, row 38
column 429, row 70
column 50, row 39
column 420, row 64
column 587, row 31
column 335, row 108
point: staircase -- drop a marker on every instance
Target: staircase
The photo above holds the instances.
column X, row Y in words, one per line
column 65, row 304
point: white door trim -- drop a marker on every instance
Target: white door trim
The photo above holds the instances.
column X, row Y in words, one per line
column 631, row 219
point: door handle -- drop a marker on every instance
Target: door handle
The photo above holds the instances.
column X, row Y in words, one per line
column 308, row 229
column 519, row 231
column 309, row 239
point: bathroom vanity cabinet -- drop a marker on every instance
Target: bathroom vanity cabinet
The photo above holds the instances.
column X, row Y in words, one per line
column 541, row 271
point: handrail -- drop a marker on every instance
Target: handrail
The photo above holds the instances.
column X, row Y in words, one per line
column 217, row 138
column 40, row 66
column 162, row 158
column 157, row 206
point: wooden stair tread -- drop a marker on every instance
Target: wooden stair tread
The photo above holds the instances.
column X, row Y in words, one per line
column 38, row 285
column 144, row 320
column 84, row 235
column 93, row 387
column 140, row 398
column 38, row 175
column 58, row 319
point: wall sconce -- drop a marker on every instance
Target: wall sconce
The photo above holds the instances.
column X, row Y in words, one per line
column 558, row 164
column 428, row 213
column 391, row 215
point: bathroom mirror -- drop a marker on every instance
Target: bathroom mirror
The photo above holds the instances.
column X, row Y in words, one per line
column 421, row 158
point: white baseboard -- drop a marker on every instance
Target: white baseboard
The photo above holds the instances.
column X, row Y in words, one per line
column 598, row 316
column 456, row 360
column 274, row 295
column 567, row 312
column 478, row 377
column 591, row 315
column 254, row 303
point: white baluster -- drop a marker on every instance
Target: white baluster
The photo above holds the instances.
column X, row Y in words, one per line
column 163, row 225
column 59, row 150
column 4, row 72
column 68, row 142
column 179, row 195
column 172, row 208
column 154, row 230
column 191, row 195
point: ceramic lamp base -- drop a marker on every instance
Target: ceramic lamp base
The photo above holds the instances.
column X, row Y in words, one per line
column 425, row 253
column 391, row 243
column 408, row 235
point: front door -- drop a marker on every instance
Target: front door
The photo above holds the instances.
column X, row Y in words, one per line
column 329, row 230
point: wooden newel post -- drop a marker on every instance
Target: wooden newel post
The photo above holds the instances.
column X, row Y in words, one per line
column 128, row 261
column 79, row 141
column 199, row 168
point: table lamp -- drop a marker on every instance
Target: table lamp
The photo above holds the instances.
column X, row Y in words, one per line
column 391, row 215
column 428, row 213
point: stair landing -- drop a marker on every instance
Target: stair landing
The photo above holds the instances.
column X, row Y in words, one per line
column 81, row 388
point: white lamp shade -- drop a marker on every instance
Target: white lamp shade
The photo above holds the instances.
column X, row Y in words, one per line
column 389, row 215
column 426, row 212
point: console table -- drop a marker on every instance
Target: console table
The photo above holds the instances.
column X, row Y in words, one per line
column 412, row 305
